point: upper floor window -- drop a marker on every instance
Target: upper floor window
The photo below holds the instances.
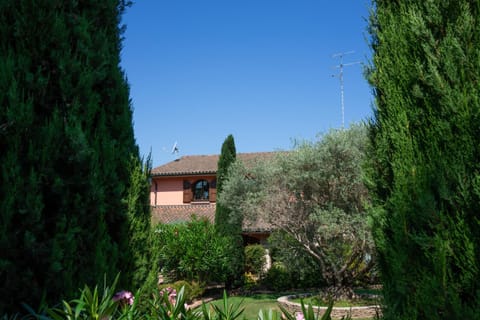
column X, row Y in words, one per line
column 200, row 190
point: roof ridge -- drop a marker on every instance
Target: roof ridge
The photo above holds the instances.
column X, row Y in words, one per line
column 203, row 164
column 218, row 154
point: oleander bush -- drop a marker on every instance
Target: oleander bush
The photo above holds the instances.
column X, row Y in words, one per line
column 192, row 251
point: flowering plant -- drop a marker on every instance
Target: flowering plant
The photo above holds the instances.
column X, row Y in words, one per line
column 171, row 294
column 98, row 304
column 124, row 297
column 170, row 305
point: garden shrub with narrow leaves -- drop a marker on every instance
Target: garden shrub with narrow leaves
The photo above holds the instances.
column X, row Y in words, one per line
column 193, row 251
column 309, row 314
column 163, row 304
column 93, row 304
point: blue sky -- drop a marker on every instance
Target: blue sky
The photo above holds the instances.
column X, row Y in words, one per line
column 260, row 70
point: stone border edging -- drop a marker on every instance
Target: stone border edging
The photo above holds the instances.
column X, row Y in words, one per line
column 337, row 312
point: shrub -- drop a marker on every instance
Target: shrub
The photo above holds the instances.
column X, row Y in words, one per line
column 167, row 304
column 193, row 251
column 250, row 281
column 255, row 259
column 278, row 278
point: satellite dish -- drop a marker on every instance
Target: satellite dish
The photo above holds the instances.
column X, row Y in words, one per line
column 175, row 148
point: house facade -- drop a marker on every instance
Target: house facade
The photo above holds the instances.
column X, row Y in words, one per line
column 187, row 186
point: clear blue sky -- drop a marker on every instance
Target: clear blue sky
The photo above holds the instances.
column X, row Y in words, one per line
column 260, row 70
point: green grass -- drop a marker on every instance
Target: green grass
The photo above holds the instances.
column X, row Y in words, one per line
column 254, row 303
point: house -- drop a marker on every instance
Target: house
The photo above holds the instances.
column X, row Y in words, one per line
column 187, row 186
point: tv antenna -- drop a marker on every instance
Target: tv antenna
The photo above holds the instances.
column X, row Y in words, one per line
column 175, row 148
column 340, row 76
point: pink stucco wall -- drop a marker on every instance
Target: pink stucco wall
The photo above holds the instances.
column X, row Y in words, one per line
column 169, row 190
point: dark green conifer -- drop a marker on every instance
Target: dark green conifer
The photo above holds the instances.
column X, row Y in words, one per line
column 138, row 268
column 66, row 143
column 227, row 223
column 425, row 168
column 228, row 155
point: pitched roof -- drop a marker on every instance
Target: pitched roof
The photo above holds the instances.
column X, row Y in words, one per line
column 182, row 213
column 203, row 164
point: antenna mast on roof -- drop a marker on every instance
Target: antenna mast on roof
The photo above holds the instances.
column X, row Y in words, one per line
column 340, row 76
column 175, row 148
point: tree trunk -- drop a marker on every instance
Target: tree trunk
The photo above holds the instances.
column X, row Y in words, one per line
column 338, row 292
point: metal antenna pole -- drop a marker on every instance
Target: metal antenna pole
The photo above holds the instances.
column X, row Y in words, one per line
column 340, row 76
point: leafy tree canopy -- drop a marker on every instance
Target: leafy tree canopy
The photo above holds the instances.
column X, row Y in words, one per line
column 315, row 194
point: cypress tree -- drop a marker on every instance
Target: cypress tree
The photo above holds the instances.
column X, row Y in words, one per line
column 226, row 223
column 228, row 155
column 425, row 168
column 138, row 267
column 66, row 140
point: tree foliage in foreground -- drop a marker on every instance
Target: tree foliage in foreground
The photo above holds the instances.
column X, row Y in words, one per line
column 316, row 195
column 425, row 168
column 66, row 144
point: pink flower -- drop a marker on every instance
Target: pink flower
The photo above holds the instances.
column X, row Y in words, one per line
column 299, row 316
column 124, row 297
column 172, row 294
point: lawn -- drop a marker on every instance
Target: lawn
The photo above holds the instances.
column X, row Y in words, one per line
column 254, row 303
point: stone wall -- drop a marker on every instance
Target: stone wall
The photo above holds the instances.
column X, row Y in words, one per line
column 337, row 312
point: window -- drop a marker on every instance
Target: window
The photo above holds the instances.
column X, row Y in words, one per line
column 200, row 190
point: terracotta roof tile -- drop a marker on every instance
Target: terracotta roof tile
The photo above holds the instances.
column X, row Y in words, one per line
column 203, row 164
column 182, row 213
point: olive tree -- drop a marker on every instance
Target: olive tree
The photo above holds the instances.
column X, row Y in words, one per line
column 316, row 194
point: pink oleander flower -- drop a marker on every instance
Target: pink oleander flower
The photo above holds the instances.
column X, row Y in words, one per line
column 124, row 297
column 299, row 316
column 172, row 294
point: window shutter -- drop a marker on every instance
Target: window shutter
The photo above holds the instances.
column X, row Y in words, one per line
column 212, row 192
column 187, row 192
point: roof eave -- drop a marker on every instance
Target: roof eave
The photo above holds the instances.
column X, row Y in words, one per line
column 183, row 174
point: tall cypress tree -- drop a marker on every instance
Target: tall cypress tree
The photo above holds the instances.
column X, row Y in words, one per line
column 226, row 223
column 66, row 140
column 228, row 155
column 425, row 168
column 138, row 267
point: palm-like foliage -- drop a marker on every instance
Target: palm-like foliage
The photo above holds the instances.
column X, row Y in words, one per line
column 226, row 311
